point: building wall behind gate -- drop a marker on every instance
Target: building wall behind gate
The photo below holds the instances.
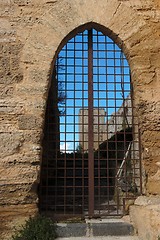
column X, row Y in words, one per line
column 30, row 34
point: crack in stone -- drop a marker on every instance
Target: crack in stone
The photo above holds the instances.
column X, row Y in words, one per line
column 116, row 9
column 50, row 2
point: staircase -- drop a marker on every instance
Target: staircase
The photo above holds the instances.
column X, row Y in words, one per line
column 106, row 229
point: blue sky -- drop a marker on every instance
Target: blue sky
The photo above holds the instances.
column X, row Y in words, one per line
column 110, row 69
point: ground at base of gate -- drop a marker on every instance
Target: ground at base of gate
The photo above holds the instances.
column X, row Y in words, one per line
column 102, row 238
column 98, row 229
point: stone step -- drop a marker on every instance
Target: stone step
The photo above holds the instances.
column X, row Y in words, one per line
column 102, row 238
column 95, row 229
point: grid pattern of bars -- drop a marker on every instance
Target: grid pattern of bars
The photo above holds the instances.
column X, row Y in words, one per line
column 91, row 155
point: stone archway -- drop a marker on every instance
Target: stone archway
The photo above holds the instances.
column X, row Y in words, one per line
column 46, row 36
column 36, row 40
column 68, row 176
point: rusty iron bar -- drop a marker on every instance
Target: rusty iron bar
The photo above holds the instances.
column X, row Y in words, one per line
column 90, row 125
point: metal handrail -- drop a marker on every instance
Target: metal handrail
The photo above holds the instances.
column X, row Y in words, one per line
column 123, row 162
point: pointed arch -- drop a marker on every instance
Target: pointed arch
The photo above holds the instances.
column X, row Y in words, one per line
column 90, row 152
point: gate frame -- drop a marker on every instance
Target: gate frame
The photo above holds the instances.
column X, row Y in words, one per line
column 99, row 28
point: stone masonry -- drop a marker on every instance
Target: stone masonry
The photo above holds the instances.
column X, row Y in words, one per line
column 104, row 130
column 98, row 127
column 31, row 34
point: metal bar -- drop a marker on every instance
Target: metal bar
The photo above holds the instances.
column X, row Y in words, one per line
column 56, row 135
column 119, row 173
column 74, row 120
column 90, row 125
column 83, row 106
column 98, row 96
column 107, row 130
column 65, row 116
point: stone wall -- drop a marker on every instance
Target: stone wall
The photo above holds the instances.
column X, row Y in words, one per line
column 98, row 127
column 120, row 119
column 31, row 31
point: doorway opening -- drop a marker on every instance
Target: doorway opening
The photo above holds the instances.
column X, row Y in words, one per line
column 91, row 156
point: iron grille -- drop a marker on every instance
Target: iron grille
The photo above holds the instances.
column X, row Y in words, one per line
column 91, row 155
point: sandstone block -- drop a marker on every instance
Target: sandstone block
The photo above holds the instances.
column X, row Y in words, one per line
column 145, row 201
column 6, row 91
column 37, row 105
column 10, row 143
column 145, row 215
column 33, row 136
column 14, row 216
column 32, row 89
column 19, row 173
column 19, row 158
column 18, row 194
column 11, row 106
column 5, row 2
column 30, row 122
column 153, row 183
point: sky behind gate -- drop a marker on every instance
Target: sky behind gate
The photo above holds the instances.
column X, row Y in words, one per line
column 111, row 82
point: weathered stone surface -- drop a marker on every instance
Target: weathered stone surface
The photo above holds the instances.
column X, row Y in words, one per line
column 14, row 215
column 32, row 89
column 6, row 91
column 8, row 123
column 146, row 201
column 30, row 122
column 145, row 215
column 10, row 70
column 30, row 33
column 30, row 158
column 17, row 172
column 10, row 143
column 32, row 136
column 153, row 183
column 18, row 193
column 11, row 106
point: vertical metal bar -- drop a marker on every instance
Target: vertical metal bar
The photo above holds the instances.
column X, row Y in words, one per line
column 115, row 127
column 98, row 132
column 74, row 138
column 65, row 129
column 83, row 66
column 107, row 132
column 134, row 129
column 124, row 115
column 90, row 125
column 56, row 168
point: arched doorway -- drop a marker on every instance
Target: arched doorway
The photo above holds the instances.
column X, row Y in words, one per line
column 91, row 156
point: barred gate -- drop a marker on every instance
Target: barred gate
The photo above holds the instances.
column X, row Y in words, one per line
column 91, row 156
